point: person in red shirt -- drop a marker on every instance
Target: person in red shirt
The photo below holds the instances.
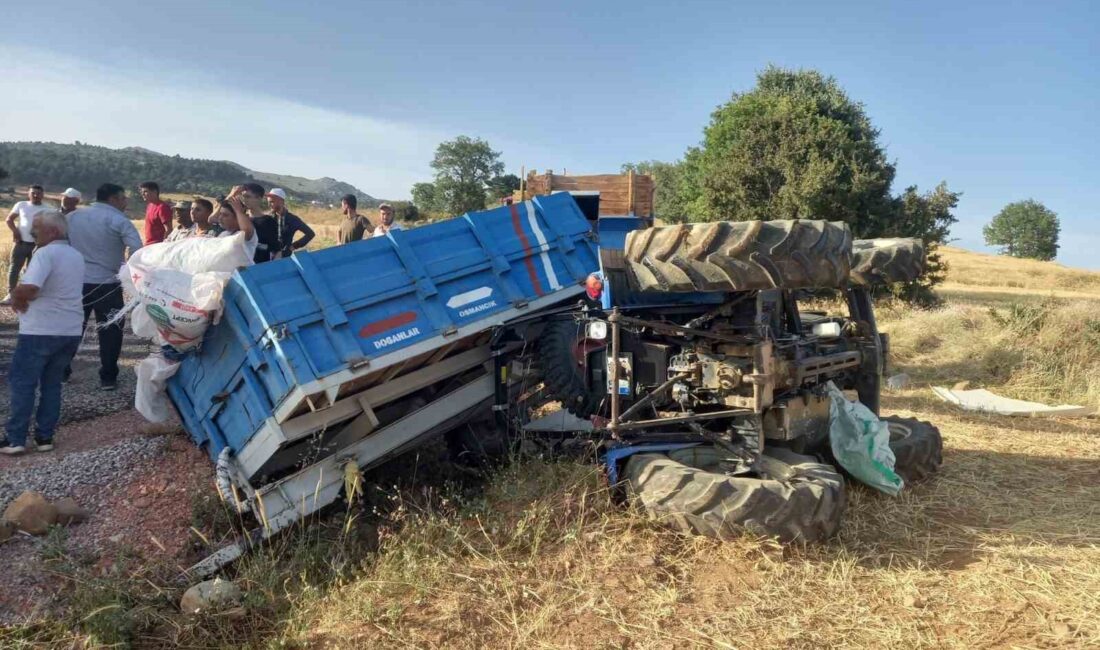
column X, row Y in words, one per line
column 158, row 214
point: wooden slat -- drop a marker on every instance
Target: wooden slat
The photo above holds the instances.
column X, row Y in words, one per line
column 619, row 193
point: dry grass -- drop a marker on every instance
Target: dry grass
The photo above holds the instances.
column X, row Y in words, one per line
column 997, row 551
column 1048, row 350
column 1001, row 549
column 970, row 271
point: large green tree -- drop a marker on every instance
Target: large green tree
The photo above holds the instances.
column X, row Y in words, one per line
column 1025, row 229
column 463, row 168
column 795, row 146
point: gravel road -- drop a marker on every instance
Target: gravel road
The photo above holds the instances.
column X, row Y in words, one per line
column 136, row 479
column 81, row 398
column 61, row 475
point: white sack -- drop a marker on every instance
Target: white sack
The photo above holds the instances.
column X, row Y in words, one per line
column 193, row 255
column 150, row 398
column 175, row 288
column 174, row 292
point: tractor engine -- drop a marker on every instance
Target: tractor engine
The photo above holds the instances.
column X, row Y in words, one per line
column 757, row 366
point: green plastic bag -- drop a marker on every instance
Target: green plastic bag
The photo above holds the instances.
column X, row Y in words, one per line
column 861, row 443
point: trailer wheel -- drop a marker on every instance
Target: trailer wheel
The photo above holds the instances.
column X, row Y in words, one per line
column 917, row 447
column 481, row 443
column 881, row 261
column 795, row 498
column 562, row 372
column 740, row 256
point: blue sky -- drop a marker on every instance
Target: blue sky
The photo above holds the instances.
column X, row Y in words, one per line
column 1001, row 100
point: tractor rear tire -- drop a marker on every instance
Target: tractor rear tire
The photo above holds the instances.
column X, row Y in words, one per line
column 800, row 500
column 740, row 256
column 917, row 447
column 561, row 375
column 881, row 261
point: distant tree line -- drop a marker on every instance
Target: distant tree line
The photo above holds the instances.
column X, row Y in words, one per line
column 85, row 167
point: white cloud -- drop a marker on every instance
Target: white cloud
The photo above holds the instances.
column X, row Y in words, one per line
column 63, row 100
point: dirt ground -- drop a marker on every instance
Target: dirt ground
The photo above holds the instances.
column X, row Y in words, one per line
column 144, row 511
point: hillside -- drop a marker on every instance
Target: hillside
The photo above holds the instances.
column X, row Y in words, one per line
column 57, row 166
column 318, row 189
column 973, row 273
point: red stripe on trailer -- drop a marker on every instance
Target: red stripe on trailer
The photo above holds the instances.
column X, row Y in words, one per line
column 527, row 261
column 393, row 322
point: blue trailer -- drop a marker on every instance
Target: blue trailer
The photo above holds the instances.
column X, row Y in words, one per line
column 353, row 353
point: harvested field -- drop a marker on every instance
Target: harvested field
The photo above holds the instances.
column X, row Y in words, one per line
column 1001, row 549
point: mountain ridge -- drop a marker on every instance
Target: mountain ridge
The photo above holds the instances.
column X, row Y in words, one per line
column 85, row 166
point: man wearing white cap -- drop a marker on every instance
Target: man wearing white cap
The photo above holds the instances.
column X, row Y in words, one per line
column 70, row 200
column 276, row 230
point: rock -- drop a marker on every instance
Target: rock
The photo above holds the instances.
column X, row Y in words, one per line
column 211, row 597
column 6, row 530
column 70, row 512
column 898, row 381
column 30, row 512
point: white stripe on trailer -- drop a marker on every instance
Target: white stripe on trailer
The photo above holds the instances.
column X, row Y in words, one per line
column 465, row 298
column 533, row 220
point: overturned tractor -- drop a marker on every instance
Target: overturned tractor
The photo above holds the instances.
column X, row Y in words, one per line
column 712, row 384
column 698, row 375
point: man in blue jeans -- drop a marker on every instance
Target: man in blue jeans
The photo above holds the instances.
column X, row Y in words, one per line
column 49, row 301
column 102, row 233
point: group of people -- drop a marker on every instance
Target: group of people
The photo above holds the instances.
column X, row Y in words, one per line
column 65, row 264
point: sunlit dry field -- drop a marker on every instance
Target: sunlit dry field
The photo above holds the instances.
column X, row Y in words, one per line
column 1001, row 549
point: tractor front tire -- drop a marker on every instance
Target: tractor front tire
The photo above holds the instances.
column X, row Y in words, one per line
column 561, row 374
column 917, row 447
column 797, row 499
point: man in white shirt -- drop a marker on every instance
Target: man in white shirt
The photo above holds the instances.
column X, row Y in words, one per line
column 49, row 301
column 19, row 222
column 386, row 221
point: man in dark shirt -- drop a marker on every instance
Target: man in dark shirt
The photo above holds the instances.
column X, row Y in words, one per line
column 276, row 231
column 354, row 224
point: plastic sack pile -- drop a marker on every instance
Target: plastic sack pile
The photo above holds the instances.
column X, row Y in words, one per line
column 861, row 443
column 174, row 292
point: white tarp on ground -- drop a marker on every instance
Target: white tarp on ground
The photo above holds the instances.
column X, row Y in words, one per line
column 981, row 400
